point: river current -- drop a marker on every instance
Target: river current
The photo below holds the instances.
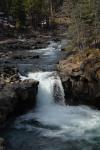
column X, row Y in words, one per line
column 52, row 125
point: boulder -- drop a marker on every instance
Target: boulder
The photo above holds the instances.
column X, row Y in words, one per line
column 16, row 96
column 26, row 92
column 2, row 144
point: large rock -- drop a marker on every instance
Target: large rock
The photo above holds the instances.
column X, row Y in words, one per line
column 2, row 144
column 16, row 96
column 80, row 76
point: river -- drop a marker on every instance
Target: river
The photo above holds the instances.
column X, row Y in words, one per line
column 52, row 125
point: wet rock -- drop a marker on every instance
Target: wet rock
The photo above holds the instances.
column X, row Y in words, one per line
column 8, row 74
column 2, row 144
column 35, row 57
column 24, row 44
column 25, row 56
column 26, row 92
column 16, row 96
column 7, row 103
column 56, row 39
column 81, row 79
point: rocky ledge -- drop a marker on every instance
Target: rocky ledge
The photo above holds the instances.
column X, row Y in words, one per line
column 2, row 144
column 80, row 75
column 16, row 96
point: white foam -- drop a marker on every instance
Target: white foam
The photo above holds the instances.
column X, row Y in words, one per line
column 75, row 121
column 50, row 50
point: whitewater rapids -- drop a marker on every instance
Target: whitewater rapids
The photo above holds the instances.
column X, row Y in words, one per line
column 52, row 125
column 69, row 122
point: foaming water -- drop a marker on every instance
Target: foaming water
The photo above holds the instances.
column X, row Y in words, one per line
column 52, row 125
column 70, row 122
column 52, row 48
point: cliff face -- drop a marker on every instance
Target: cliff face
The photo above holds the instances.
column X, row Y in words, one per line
column 16, row 96
column 80, row 76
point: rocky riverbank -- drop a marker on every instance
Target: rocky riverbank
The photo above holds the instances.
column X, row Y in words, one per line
column 20, row 43
column 80, row 75
column 16, row 96
column 14, row 52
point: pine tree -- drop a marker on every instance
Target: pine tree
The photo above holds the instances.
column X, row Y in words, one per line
column 18, row 12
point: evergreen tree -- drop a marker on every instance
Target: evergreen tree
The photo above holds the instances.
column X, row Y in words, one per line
column 18, row 12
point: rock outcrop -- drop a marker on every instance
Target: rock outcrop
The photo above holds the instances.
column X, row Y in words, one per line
column 2, row 144
column 80, row 76
column 16, row 96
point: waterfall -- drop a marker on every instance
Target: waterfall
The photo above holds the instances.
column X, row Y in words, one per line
column 50, row 98
column 50, row 89
column 52, row 125
column 51, row 110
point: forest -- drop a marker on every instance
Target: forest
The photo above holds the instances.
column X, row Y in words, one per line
column 84, row 15
column 35, row 11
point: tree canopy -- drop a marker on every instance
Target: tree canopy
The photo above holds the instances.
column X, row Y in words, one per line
column 85, row 22
column 84, row 28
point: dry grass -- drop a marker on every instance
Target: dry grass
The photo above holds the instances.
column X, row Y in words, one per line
column 90, row 53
